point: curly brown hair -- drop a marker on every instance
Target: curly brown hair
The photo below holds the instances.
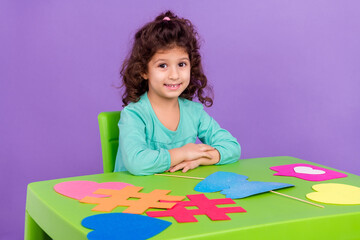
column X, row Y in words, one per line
column 162, row 35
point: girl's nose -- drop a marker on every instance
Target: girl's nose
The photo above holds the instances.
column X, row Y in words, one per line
column 174, row 74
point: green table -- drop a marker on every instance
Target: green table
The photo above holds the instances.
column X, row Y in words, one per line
column 269, row 216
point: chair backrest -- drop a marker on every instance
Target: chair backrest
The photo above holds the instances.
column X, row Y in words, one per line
column 109, row 135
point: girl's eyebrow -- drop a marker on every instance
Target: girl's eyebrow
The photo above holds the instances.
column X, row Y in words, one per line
column 164, row 60
column 185, row 58
column 159, row 60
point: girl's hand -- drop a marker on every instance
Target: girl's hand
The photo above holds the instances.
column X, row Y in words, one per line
column 194, row 151
column 190, row 152
column 186, row 165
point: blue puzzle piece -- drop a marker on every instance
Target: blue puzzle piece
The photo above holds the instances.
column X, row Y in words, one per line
column 112, row 226
column 218, row 181
column 244, row 188
column 235, row 186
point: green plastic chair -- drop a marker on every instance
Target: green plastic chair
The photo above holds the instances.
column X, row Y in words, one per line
column 109, row 135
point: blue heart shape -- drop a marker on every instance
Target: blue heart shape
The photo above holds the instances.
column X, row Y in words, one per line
column 111, row 226
column 235, row 186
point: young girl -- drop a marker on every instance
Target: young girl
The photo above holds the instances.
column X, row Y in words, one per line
column 160, row 123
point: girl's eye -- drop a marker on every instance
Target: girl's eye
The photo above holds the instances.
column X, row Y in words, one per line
column 163, row 65
column 182, row 64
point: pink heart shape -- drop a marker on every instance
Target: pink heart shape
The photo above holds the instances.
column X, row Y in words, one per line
column 80, row 189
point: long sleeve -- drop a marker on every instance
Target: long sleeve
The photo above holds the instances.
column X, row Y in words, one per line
column 136, row 156
column 212, row 134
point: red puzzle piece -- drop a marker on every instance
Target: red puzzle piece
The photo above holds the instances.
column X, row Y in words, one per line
column 205, row 207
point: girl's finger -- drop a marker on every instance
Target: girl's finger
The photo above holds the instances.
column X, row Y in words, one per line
column 185, row 169
column 177, row 167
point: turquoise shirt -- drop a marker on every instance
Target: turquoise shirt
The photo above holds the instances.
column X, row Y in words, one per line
column 144, row 141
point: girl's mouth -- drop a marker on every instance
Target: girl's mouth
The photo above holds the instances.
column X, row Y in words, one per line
column 172, row 86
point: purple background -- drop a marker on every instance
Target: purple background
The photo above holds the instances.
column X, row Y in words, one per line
column 286, row 77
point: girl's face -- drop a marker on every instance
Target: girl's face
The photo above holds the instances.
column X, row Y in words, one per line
column 168, row 74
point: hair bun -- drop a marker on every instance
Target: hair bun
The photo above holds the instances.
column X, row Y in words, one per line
column 167, row 14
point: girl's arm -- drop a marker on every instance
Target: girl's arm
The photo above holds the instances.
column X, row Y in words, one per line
column 212, row 134
column 133, row 153
column 226, row 148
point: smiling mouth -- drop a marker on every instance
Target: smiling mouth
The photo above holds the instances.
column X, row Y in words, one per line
column 172, row 86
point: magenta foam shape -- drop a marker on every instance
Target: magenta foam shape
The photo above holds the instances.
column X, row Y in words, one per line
column 307, row 172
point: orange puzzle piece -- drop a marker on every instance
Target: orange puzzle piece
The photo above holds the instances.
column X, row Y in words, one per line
column 139, row 206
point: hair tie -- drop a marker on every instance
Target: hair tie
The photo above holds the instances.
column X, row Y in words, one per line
column 166, row 19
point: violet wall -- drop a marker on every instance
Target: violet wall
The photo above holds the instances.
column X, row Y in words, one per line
column 286, row 77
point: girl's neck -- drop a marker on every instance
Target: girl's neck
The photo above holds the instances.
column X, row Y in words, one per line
column 163, row 103
column 166, row 110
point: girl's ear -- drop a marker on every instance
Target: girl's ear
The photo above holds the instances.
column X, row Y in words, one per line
column 144, row 76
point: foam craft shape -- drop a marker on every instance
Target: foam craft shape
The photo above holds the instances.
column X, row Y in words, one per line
column 246, row 188
column 218, row 181
column 236, row 186
column 204, row 206
column 113, row 226
column 307, row 172
column 139, row 206
column 80, row 189
column 335, row 193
